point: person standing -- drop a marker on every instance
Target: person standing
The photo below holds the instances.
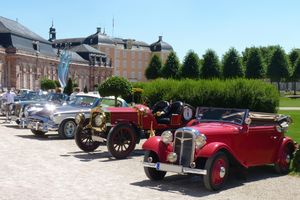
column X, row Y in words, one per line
column 9, row 99
column 75, row 92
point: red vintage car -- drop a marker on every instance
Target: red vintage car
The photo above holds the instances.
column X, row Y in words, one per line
column 122, row 127
column 219, row 138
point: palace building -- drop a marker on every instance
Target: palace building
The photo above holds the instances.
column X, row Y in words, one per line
column 26, row 58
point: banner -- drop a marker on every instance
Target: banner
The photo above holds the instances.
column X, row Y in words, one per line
column 63, row 68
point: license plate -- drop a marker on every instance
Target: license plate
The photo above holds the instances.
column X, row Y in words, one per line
column 168, row 167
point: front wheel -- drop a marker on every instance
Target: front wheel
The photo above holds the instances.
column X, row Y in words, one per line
column 38, row 133
column 121, row 140
column 83, row 139
column 217, row 168
column 285, row 157
column 152, row 173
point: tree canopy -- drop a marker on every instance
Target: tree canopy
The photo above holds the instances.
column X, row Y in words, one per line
column 154, row 67
column 191, row 66
column 171, row 67
column 232, row 65
column 254, row 64
column 115, row 86
column 210, row 65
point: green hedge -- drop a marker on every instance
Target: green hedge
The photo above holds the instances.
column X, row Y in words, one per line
column 234, row 93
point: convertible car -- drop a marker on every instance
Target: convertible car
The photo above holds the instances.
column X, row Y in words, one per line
column 219, row 138
column 122, row 128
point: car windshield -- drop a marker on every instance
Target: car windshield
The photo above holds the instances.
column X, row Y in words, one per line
column 56, row 97
column 230, row 115
column 83, row 101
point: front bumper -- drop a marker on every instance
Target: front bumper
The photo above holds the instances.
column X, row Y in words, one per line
column 42, row 126
column 174, row 168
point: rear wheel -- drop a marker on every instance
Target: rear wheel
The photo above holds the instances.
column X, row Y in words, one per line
column 121, row 140
column 285, row 157
column 83, row 139
column 38, row 133
column 217, row 171
column 152, row 173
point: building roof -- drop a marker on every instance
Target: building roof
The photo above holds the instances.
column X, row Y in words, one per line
column 10, row 26
column 75, row 57
column 160, row 45
column 97, row 38
column 69, row 40
column 84, row 48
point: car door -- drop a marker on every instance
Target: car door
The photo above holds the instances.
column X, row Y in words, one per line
column 262, row 143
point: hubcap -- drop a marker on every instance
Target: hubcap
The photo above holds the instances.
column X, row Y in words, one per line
column 222, row 172
column 69, row 128
column 218, row 171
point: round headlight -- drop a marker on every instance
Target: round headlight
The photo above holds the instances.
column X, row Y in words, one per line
column 79, row 118
column 167, row 137
column 200, row 141
column 98, row 120
column 172, row 157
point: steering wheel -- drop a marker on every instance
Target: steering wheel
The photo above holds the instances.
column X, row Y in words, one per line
column 161, row 106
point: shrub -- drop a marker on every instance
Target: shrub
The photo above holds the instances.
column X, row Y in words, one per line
column 47, row 84
column 255, row 95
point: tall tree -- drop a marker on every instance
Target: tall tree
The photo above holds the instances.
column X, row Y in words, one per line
column 154, row 67
column 296, row 73
column 278, row 68
column 191, row 66
column 171, row 67
column 69, row 87
column 293, row 56
column 232, row 65
column 254, row 64
column 210, row 65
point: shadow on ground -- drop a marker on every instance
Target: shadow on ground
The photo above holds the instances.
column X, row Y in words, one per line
column 103, row 156
column 46, row 137
column 192, row 185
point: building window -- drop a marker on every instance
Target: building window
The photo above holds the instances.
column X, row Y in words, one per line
column 140, row 64
column 132, row 64
column 140, row 76
column 132, row 75
column 35, row 45
column 140, row 55
column 125, row 74
column 117, row 53
column 124, row 54
column 117, row 63
column 124, row 63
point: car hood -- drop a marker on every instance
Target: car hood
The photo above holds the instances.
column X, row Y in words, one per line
column 217, row 128
column 70, row 109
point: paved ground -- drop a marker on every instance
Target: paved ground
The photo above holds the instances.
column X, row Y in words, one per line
column 50, row 168
column 289, row 108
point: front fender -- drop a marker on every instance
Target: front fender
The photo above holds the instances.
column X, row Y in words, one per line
column 156, row 145
column 210, row 149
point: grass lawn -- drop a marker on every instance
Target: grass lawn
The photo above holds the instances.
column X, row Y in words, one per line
column 294, row 129
column 288, row 102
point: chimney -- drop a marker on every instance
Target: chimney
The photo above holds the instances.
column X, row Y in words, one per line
column 159, row 38
column 98, row 30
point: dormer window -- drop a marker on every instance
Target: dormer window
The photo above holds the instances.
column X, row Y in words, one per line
column 35, row 45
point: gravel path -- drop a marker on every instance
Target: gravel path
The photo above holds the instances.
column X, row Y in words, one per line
column 51, row 168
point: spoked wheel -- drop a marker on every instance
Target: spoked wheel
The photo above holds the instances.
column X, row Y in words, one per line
column 285, row 157
column 84, row 141
column 67, row 129
column 217, row 171
column 152, row 173
column 121, row 141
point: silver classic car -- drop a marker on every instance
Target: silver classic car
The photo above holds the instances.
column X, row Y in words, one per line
column 62, row 118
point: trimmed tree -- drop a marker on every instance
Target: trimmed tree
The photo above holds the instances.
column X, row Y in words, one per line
column 293, row 56
column 47, row 84
column 191, row 66
column 232, row 65
column 57, row 83
column 154, row 67
column 69, row 87
column 171, row 67
column 85, row 89
column 115, row 86
column 254, row 64
column 278, row 68
column 210, row 65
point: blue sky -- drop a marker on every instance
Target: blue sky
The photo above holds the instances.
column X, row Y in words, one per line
column 190, row 24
